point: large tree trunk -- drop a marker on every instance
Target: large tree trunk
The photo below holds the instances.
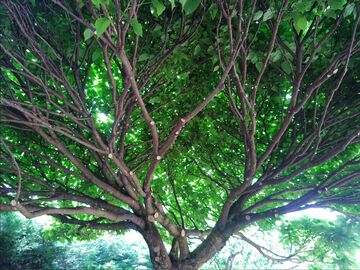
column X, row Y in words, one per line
column 158, row 253
column 161, row 259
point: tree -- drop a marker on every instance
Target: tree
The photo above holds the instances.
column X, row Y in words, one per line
column 302, row 243
column 23, row 247
column 178, row 119
column 31, row 245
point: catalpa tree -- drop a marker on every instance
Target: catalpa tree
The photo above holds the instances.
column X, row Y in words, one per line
column 178, row 119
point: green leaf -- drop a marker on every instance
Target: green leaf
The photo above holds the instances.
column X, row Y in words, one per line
column 252, row 57
column 300, row 23
column 88, row 33
column 258, row 15
column 143, row 57
column 172, row 2
column 276, row 99
column 275, row 56
column 258, row 65
column 268, row 15
column 183, row 3
column 336, row 4
column 158, row 7
column 96, row 3
column 191, row 5
column 105, row 2
column 197, row 50
column 137, row 27
column 286, row 68
column 330, row 13
column 80, row 3
column 101, row 25
column 349, row 9
column 213, row 10
column 154, row 100
column 96, row 54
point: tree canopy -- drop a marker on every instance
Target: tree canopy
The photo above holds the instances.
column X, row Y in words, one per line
column 178, row 119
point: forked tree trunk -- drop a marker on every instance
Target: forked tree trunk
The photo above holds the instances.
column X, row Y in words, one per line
column 161, row 260
column 158, row 253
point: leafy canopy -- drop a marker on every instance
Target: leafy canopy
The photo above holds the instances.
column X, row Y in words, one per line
column 178, row 119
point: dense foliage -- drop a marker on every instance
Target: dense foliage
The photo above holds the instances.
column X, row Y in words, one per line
column 179, row 119
column 304, row 243
column 23, row 247
column 28, row 245
column 301, row 243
